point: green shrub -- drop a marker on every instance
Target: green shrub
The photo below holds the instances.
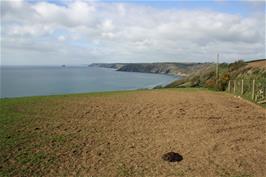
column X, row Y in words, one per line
column 223, row 82
column 236, row 65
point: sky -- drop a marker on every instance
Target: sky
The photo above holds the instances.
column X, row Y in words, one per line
column 77, row 32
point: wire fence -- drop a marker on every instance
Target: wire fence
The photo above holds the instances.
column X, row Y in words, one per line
column 250, row 88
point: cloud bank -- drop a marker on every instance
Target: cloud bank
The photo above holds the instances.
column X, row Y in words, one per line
column 82, row 32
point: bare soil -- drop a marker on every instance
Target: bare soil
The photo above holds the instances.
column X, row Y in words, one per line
column 258, row 64
column 126, row 134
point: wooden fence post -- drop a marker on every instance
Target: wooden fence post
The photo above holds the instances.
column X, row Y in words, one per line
column 242, row 86
column 234, row 86
column 253, row 89
column 229, row 86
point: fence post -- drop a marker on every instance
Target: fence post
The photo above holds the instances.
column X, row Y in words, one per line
column 234, row 86
column 229, row 86
column 242, row 86
column 253, row 89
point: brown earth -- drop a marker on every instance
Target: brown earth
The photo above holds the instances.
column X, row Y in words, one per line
column 258, row 64
column 127, row 133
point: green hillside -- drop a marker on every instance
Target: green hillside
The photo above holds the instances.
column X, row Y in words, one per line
column 235, row 73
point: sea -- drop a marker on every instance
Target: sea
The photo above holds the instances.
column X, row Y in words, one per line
column 21, row 81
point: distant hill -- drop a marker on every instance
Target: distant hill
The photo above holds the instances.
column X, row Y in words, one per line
column 180, row 69
column 107, row 65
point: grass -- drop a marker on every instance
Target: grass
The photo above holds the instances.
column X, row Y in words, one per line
column 20, row 137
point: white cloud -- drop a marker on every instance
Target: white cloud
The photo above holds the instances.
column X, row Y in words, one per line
column 107, row 25
column 61, row 38
column 84, row 32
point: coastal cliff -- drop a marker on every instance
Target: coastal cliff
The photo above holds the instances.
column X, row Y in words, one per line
column 178, row 69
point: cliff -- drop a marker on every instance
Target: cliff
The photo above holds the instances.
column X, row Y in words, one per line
column 180, row 69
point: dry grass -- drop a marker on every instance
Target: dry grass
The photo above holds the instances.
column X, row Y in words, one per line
column 126, row 133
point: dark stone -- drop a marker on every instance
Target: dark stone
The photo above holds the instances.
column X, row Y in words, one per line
column 172, row 157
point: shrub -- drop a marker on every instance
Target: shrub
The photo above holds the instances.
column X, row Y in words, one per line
column 236, row 65
column 158, row 87
column 210, row 83
column 223, row 82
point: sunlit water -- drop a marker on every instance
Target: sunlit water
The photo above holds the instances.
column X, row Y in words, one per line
column 31, row 81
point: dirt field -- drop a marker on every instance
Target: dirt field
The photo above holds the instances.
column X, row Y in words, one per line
column 258, row 64
column 126, row 134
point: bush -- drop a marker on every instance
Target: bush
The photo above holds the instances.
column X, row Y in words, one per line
column 158, row 87
column 210, row 83
column 221, row 85
column 176, row 83
column 236, row 65
column 223, row 82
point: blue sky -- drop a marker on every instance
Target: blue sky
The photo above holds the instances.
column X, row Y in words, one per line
column 81, row 32
column 240, row 7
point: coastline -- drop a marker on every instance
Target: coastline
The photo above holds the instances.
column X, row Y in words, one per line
column 168, row 68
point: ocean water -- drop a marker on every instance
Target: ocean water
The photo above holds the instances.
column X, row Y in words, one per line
column 32, row 81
